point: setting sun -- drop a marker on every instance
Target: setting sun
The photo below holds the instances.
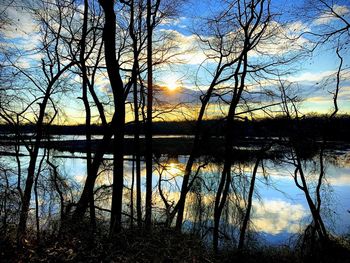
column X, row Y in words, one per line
column 172, row 84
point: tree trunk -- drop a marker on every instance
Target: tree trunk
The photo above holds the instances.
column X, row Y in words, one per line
column 225, row 180
column 134, row 76
column 193, row 155
column 22, row 225
column 85, row 197
column 249, row 206
column 319, row 225
column 117, row 86
column 87, row 108
column 148, row 133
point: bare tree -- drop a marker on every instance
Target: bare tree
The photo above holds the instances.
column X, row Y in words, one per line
column 249, row 205
column 330, row 28
column 329, row 22
column 241, row 28
column 53, row 66
column 113, row 69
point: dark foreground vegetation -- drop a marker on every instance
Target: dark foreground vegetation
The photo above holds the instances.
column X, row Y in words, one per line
column 80, row 244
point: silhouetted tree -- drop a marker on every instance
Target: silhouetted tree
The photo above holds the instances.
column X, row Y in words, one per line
column 53, row 66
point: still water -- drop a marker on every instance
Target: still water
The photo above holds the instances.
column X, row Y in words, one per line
column 279, row 209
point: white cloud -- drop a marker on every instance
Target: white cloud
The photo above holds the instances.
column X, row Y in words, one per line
column 278, row 40
column 328, row 17
column 22, row 24
column 80, row 178
column 338, row 175
column 21, row 32
column 188, row 50
column 102, row 83
column 311, row 76
column 340, row 180
column 179, row 21
column 319, row 99
column 277, row 216
column 281, row 39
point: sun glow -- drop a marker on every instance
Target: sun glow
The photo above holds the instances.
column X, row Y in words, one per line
column 173, row 169
column 172, row 84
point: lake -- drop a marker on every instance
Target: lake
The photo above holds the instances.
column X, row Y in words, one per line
column 280, row 211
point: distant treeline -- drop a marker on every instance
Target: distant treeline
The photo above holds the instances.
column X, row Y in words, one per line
column 314, row 127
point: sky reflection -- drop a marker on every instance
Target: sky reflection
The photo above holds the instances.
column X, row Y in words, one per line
column 279, row 207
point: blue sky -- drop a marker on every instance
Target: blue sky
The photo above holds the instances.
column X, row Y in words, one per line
column 313, row 75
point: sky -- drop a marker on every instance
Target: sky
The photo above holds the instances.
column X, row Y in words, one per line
column 312, row 77
column 314, row 74
column 279, row 207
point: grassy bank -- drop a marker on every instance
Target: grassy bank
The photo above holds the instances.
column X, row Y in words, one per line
column 160, row 245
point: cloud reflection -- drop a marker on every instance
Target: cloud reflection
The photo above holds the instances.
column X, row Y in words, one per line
column 278, row 216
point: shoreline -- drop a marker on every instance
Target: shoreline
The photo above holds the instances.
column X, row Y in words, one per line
column 214, row 146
